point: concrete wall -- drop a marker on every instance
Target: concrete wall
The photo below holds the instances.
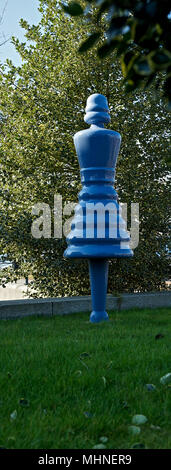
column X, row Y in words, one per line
column 67, row 305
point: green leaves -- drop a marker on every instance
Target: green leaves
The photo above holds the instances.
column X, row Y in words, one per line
column 73, row 9
column 90, row 41
column 142, row 67
column 118, row 25
column 142, row 25
column 107, row 48
column 160, row 59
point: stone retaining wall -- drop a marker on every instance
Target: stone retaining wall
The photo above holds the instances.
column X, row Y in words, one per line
column 68, row 305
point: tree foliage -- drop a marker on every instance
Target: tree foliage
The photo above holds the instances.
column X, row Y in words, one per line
column 42, row 106
column 140, row 33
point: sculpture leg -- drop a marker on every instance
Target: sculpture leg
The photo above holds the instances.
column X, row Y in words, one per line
column 98, row 269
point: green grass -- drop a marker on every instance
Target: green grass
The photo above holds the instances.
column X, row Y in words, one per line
column 41, row 361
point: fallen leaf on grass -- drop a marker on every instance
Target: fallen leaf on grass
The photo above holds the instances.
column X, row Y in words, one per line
column 84, row 354
column 134, row 429
column 108, row 366
column 138, row 445
column 88, row 414
column 166, row 379
column 157, row 428
column 150, row 387
column 125, row 404
column 70, row 431
column 103, row 439
column 104, row 381
column 83, row 363
column 23, row 402
column 159, row 336
column 139, row 419
column 78, row 372
column 99, row 446
column 13, row 415
column 11, row 440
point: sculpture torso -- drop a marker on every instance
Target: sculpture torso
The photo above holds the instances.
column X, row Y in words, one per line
column 97, row 149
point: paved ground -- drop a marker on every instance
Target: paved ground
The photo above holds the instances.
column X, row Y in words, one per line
column 14, row 291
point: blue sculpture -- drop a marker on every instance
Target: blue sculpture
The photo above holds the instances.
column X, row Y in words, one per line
column 98, row 230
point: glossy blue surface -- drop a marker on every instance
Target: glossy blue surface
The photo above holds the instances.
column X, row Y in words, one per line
column 98, row 269
column 98, row 230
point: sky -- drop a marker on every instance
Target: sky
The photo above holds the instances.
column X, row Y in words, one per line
column 14, row 10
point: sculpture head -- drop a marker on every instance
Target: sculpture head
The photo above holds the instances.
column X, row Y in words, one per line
column 97, row 110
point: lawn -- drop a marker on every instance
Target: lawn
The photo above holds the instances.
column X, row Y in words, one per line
column 68, row 384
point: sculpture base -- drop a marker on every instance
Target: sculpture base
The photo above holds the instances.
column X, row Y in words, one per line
column 98, row 269
column 97, row 316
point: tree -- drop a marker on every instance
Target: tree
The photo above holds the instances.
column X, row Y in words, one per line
column 41, row 105
column 140, row 33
